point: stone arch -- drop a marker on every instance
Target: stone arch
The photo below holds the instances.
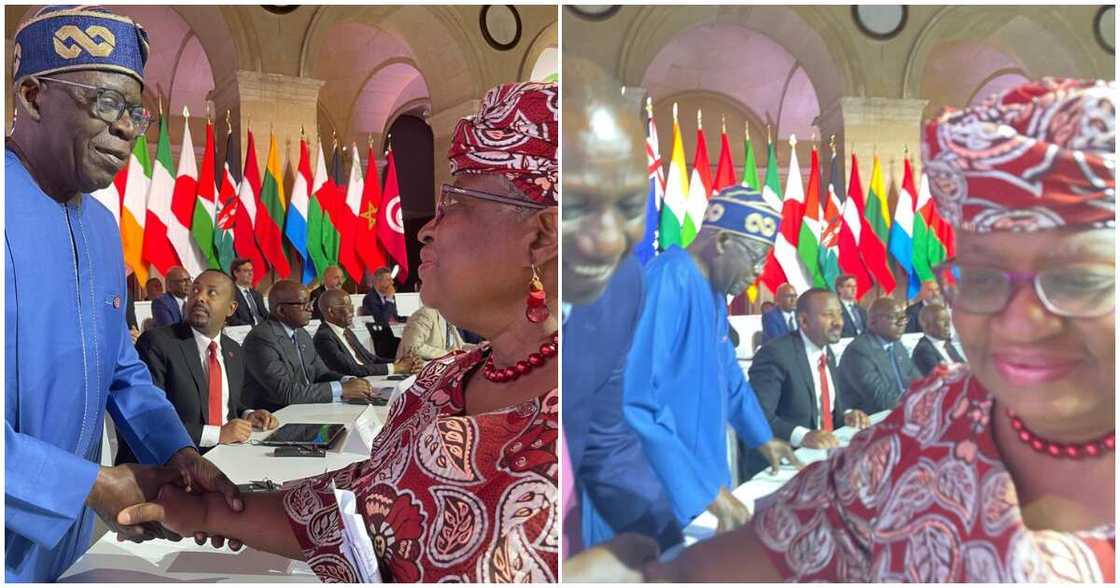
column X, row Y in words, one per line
column 546, row 39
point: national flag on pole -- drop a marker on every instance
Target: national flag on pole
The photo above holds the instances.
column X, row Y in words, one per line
column 322, row 237
column 369, row 250
column 851, row 229
column 725, row 169
column 245, row 219
column 225, row 215
column 183, row 201
column 784, row 264
column 647, row 248
column 876, row 209
column 829, row 254
column 111, row 196
column 929, row 230
column 134, row 209
column 700, row 186
column 872, row 251
column 295, row 225
column 158, row 250
column 770, row 193
column 808, row 242
column 335, row 201
column 390, row 220
column 347, row 251
column 902, row 231
column 676, row 228
column 270, row 213
column 202, row 225
column 750, row 168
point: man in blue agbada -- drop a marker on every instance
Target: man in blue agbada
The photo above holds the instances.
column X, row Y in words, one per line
column 67, row 353
column 683, row 384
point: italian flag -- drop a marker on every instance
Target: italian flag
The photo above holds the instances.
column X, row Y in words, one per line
column 158, row 250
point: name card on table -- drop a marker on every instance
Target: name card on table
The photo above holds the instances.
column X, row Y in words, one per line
column 359, row 436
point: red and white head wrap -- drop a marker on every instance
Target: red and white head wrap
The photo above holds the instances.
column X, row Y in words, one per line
column 514, row 134
column 1039, row 156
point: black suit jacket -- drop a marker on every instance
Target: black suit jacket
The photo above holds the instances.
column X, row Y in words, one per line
column 334, row 353
column 172, row 357
column 927, row 354
column 912, row 312
column 382, row 311
column 606, row 454
column 243, row 316
column 273, row 377
column 849, row 326
column 868, row 376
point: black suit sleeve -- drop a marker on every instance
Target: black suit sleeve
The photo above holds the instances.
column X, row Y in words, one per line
column 318, row 371
column 154, row 355
column 617, row 476
column 871, row 390
column 279, row 385
column 241, row 316
column 925, row 357
column 768, row 378
column 336, row 357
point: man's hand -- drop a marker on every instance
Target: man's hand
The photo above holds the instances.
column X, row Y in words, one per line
column 117, row 488
column 235, row 431
column 819, row 440
column 262, row 420
column 858, row 419
column 776, row 449
column 408, row 364
column 134, row 333
column 357, row 389
column 203, row 476
column 621, row 560
column 730, row 512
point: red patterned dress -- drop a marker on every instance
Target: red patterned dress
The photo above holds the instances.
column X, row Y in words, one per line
column 445, row 496
column 923, row 497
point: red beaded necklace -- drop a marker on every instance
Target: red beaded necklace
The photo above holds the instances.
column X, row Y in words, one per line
column 1093, row 448
column 535, row 360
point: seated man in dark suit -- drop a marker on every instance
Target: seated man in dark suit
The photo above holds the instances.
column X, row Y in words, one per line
column 380, row 302
column 340, row 348
column 795, row 378
column 781, row 320
column 153, row 289
column 875, row 368
column 936, row 346
column 201, row 370
column 929, row 294
column 281, row 362
column 168, row 308
column 617, row 489
column 855, row 317
column 332, row 280
column 250, row 304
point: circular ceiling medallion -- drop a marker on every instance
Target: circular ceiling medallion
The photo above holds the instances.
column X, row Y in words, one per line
column 1104, row 28
column 501, row 26
column 880, row 21
column 280, row 9
column 594, row 12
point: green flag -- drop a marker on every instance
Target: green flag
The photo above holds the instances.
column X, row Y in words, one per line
column 750, row 168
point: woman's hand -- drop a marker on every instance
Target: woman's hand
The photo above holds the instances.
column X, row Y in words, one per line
column 173, row 508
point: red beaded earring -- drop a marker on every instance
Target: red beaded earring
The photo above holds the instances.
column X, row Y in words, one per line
column 536, row 307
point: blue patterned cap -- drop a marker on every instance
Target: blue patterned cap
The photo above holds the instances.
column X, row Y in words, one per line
column 70, row 38
column 743, row 211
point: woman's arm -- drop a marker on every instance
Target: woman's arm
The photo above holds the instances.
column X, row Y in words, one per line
column 263, row 525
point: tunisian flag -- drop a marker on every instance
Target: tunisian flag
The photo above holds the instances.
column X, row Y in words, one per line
column 390, row 219
column 366, row 245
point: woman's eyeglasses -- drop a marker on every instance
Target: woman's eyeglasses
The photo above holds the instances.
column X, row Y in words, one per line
column 1076, row 291
column 109, row 105
column 452, row 195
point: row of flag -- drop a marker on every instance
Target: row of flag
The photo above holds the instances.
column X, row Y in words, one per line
column 193, row 219
column 824, row 232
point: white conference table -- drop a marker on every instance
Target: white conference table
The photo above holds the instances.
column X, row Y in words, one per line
column 765, row 483
column 108, row 560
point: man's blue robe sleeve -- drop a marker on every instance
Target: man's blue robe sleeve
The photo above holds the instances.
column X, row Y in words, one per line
column 141, row 411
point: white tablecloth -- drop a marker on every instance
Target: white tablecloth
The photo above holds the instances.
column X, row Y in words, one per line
column 764, row 483
column 164, row 561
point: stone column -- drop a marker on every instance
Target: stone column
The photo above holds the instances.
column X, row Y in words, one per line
column 883, row 125
column 443, row 125
column 267, row 101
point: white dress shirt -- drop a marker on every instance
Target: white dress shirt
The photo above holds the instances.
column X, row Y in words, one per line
column 211, row 434
column 814, row 353
column 790, row 316
column 182, row 302
column 850, row 307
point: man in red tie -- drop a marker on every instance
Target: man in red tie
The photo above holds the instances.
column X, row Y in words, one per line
column 795, row 379
column 201, row 369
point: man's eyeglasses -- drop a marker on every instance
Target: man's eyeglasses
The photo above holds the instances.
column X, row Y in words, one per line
column 451, row 195
column 1075, row 291
column 110, row 105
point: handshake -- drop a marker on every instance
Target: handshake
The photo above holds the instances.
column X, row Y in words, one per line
column 135, row 500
